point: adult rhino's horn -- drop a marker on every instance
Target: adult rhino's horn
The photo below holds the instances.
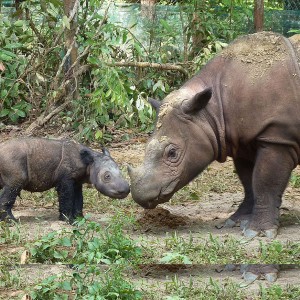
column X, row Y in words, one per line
column 130, row 170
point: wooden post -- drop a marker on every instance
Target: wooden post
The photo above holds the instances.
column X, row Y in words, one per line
column 258, row 15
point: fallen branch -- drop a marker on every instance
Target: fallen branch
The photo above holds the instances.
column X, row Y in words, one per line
column 43, row 119
column 149, row 65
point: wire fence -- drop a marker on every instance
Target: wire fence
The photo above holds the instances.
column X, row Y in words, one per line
column 282, row 16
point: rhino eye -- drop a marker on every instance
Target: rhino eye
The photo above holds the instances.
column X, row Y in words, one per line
column 172, row 153
column 106, row 177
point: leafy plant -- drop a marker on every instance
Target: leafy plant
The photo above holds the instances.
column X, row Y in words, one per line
column 9, row 234
column 276, row 252
column 9, row 278
column 88, row 282
column 276, row 292
column 295, row 180
column 14, row 39
column 51, row 288
column 88, row 243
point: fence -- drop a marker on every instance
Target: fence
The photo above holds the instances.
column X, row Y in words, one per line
column 283, row 16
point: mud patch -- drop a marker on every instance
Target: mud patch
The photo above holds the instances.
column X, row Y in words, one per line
column 258, row 52
column 160, row 217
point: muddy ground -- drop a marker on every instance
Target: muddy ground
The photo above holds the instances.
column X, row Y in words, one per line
column 198, row 210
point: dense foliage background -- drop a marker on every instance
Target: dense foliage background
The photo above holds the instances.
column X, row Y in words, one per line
column 124, row 54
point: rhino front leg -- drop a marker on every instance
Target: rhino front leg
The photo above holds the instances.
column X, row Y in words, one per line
column 244, row 169
column 78, row 201
column 7, row 201
column 253, row 272
column 66, row 197
column 273, row 167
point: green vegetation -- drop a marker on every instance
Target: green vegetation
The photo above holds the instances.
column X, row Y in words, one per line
column 102, row 259
column 35, row 71
column 88, row 243
column 86, row 283
column 215, row 250
column 9, row 234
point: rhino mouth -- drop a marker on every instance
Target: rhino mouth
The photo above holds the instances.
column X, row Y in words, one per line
column 153, row 203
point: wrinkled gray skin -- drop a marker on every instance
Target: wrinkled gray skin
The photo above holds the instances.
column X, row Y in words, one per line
column 245, row 103
column 37, row 165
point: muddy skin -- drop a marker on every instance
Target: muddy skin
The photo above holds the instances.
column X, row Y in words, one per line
column 37, row 165
column 244, row 104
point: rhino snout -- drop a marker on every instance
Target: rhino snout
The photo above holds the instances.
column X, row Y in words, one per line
column 145, row 190
column 123, row 190
column 118, row 190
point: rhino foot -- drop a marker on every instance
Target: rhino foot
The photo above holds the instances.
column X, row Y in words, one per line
column 263, row 272
column 7, row 216
column 230, row 223
column 250, row 277
column 65, row 218
column 269, row 233
column 237, row 220
column 249, row 233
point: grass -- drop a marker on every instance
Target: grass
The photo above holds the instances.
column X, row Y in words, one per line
column 227, row 289
column 10, row 233
column 176, row 249
column 116, row 243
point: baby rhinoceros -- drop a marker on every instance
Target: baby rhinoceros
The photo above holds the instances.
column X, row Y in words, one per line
column 39, row 164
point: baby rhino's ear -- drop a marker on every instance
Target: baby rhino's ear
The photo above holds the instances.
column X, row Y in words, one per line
column 155, row 104
column 86, row 156
column 105, row 151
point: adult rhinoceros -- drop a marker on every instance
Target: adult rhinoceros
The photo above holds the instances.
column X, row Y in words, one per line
column 245, row 103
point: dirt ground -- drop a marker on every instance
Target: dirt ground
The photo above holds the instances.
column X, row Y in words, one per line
column 219, row 194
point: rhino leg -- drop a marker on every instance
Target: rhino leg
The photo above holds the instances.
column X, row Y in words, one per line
column 253, row 272
column 66, row 195
column 78, row 201
column 244, row 169
column 273, row 166
column 7, row 201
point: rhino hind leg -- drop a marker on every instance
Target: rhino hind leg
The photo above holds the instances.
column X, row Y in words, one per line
column 241, row 217
column 273, row 166
column 66, row 193
column 7, row 201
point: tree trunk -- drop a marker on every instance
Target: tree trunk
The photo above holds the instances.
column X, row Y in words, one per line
column 19, row 11
column 258, row 15
column 196, row 32
column 148, row 9
column 70, row 36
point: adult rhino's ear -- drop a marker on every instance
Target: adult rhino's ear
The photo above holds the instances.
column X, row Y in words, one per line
column 105, row 151
column 155, row 104
column 197, row 102
column 86, row 156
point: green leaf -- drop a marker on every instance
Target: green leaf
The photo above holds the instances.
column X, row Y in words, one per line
column 65, row 241
column 66, row 22
column 19, row 23
column 98, row 135
column 13, row 46
column 66, row 285
column 58, row 255
column 20, row 113
column 4, row 112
